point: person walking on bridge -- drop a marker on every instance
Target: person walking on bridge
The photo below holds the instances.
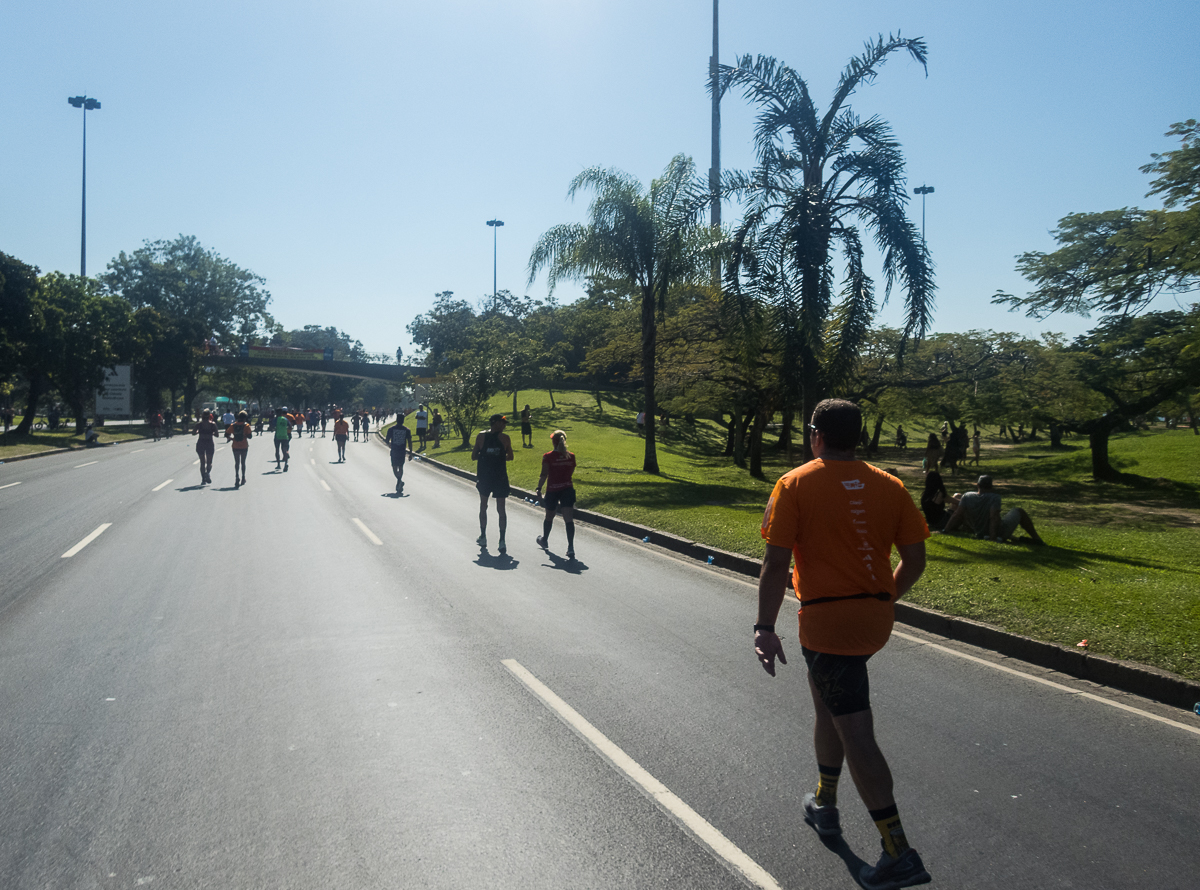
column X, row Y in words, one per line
column 840, row 517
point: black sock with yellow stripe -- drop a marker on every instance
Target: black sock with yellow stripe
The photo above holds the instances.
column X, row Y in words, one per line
column 887, row 821
column 827, row 782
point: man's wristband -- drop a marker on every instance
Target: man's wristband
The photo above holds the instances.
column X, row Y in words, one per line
column 769, row 628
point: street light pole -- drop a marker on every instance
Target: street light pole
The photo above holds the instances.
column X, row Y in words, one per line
column 87, row 105
column 923, row 190
column 495, row 224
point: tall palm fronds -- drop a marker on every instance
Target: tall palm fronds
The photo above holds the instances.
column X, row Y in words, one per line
column 820, row 178
column 652, row 239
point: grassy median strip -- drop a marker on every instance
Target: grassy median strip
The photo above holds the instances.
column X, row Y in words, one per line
column 1122, row 569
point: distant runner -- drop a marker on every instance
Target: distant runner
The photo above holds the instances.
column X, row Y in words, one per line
column 526, row 428
column 399, row 438
column 366, row 426
column 422, row 425
column 205, row 429
column 493, row 451
column 239, row 434
column 283, row 436
column 341, row 432
column 558, row 465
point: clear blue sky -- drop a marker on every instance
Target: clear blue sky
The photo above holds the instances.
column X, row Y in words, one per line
column 351, row 152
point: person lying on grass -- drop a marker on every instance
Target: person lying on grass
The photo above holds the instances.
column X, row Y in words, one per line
column 979, row 510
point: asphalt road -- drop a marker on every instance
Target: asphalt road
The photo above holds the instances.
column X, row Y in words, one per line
column 311, row 682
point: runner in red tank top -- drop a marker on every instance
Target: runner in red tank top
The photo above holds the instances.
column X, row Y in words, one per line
column 558, row 466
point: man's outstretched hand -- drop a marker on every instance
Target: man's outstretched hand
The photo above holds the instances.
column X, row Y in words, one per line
column 768, row 646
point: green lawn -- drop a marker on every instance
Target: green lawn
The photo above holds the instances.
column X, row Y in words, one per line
column 1122, row 569
column 12, row 445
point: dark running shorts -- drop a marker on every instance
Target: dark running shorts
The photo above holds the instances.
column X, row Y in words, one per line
column 526, row 429
column 497, row 488
column 562, row 498
column 841, row 681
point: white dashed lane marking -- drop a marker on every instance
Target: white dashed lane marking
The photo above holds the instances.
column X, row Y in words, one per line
column 162, row 485
column 10, row 485
column 371, row 536
column 700, row 828
column 93, row 536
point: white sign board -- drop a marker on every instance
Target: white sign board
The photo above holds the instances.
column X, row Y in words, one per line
column 114, row 399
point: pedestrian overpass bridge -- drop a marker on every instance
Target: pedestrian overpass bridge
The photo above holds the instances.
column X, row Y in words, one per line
column 358, row 370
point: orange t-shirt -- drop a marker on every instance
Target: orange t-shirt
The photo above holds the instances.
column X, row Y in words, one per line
column 231, row 435
column 840, row 520
column 341, row 427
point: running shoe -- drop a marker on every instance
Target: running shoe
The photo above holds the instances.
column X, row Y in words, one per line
column 892, row 873
column 285, row 466
column 501, row 546
column 570, row 553
column 482, row 541
column 824, row 819
column 541, row 542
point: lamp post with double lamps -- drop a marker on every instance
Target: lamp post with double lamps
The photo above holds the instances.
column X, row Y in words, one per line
column 923, row 190
column 495, row 224
column 87, row 104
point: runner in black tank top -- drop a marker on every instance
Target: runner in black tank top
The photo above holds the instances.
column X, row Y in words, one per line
column 493, row 451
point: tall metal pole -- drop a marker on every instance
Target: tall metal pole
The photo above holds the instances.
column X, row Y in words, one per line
column 87, row 105
column 923, row 190
column 495, row 224
column 714, row 172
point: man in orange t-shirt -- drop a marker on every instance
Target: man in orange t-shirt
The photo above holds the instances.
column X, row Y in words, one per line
column 840, row 517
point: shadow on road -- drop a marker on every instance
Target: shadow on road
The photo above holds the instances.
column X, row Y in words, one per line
column 562, row 564
column 503, row 563
column 838, row 846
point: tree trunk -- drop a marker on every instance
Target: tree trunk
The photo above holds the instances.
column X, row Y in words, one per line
column 1056, row 432
column 1101, row 468
column 730, row 434
column 785, row 432
column 514, row 410
column 550, row 392
column 599, row 402
column 649, row 348
column 874, row 446
column 739, row 441
column 756, row 438
column 37, row 386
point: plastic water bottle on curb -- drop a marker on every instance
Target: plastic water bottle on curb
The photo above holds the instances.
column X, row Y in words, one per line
column 646, row 540
column 1197, row 708
column 710, row 560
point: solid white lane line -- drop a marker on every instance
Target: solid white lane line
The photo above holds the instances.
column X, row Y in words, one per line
column 370, row 534
column 324, row 485
column 1059, row 686
column 93, row 536
column 162, row 485
column 723, row 848
column 137, row 451
column 10, row 485
column 312, row 460
column 88, row 464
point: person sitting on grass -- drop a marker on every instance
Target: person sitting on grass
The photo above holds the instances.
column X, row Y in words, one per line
column 980, row 510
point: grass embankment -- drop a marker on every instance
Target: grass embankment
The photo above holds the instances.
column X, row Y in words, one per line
column 1122, row 569
column 12, row 445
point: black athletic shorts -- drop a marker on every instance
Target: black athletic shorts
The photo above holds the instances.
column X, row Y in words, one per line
column 562, row 498
column 497, row 488
column 526, row 429
column 841, row 681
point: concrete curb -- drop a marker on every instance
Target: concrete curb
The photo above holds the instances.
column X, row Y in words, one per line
column 1143, row 680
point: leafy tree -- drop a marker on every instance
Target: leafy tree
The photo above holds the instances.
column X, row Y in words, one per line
column 652, row 238
column 465, row 394
column 1135, row 363
column 193, row 285
column 819, row 178
column 1117, row 262
column 443, row 331
column 18, row 286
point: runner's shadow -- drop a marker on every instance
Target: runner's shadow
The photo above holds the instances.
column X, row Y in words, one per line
column 393, row 494
column 191, row 488
column 502, row 563
column 837, row 845
column 562, row 564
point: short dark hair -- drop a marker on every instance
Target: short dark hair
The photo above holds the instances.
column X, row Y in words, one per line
column 839, row 422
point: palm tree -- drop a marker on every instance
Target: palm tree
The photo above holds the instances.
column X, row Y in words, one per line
column 819, row 179
column 652, row 239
